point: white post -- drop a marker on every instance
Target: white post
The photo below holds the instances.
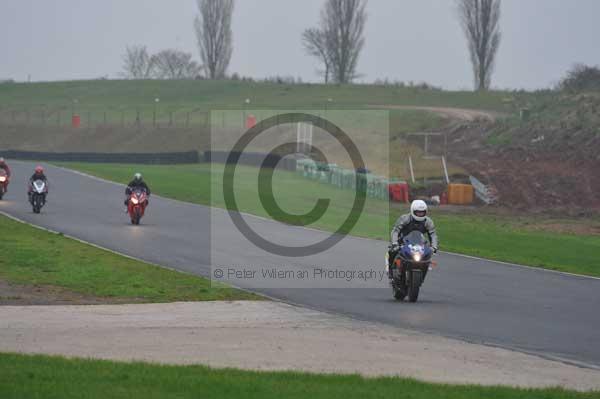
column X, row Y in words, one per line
column 412, row 172
column 298, row 139
column 445, row 169
column 304, row 133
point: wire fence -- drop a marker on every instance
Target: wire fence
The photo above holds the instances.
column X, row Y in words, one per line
column 142, row 116
column 78, row 117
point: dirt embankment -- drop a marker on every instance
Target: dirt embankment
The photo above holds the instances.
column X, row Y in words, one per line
column 549, row 163
column 529, row 173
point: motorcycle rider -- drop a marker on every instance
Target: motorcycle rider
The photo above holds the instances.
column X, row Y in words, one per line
column 137, row 183
column 4, row 166
column 38, row 174
column 418, row 220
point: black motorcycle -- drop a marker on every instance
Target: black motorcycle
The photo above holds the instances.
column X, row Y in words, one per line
column 410, row 266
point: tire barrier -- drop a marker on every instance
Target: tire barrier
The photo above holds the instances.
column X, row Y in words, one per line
column 163, row 158
column 376, row 186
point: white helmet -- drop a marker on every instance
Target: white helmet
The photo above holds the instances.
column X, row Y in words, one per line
column 137, row 177
column 418, row 210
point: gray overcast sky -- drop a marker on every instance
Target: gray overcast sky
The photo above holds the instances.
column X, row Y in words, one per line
column 418, row 40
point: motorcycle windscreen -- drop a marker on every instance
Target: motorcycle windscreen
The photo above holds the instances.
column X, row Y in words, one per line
column 415, row 238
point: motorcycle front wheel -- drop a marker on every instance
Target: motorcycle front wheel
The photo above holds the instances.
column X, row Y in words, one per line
column 399, row 289
column 136, row 216
column 414, row 285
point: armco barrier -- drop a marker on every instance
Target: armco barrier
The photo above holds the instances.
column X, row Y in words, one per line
column 164, row 158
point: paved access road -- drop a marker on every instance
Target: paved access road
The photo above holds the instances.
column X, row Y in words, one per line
column 535, row 311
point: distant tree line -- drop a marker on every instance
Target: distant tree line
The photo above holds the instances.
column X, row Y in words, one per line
column 336, row 42
column 166, row 64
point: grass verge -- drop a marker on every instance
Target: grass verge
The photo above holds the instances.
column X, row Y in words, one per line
column 31, row 256
column 508, row 239
column 53, row 377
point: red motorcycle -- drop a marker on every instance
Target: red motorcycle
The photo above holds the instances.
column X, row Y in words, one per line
column 136, row 205
column 3, row 182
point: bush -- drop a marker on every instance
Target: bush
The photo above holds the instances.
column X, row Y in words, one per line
column 581, row 78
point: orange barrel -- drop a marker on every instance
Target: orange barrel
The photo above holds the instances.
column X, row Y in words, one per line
column 76, row 121
column 468, row 194
column 250, row 121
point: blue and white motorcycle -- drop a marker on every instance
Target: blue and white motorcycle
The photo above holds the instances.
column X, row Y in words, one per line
column 410, row 266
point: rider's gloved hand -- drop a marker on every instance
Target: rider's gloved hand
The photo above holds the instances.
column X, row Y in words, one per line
column 394, row 247
column 435, row 250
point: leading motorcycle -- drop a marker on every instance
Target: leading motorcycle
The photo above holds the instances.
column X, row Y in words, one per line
column 136, row 205
column 3, row 182
column 410, row 266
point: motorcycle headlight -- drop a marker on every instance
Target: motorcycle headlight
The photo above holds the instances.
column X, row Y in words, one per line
column 2, row 179
column 417, row 257
column 134, row 200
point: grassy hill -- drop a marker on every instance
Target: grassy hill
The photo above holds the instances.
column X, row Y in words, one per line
column 185, row 103
column 125, row 116
column 206, row 94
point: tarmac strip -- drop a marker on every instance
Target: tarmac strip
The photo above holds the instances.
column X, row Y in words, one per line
column 263, row 335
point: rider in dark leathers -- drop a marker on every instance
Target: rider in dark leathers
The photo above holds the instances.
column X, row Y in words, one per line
column 418, row 220
column 38, row 174
column 137, row 183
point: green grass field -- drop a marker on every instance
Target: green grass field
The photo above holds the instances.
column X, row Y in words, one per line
column 31, row 256
column 501, row 238
column 210, row 94
column 46, row 377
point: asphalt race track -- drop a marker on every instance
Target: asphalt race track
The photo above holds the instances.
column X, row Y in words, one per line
column 535, row 311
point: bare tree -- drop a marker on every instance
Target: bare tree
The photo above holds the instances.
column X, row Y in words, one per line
column 314, row 42
column 342, row 24
column 213, row 32
column 480, row 20
column 137, row 63
column 175, row 64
